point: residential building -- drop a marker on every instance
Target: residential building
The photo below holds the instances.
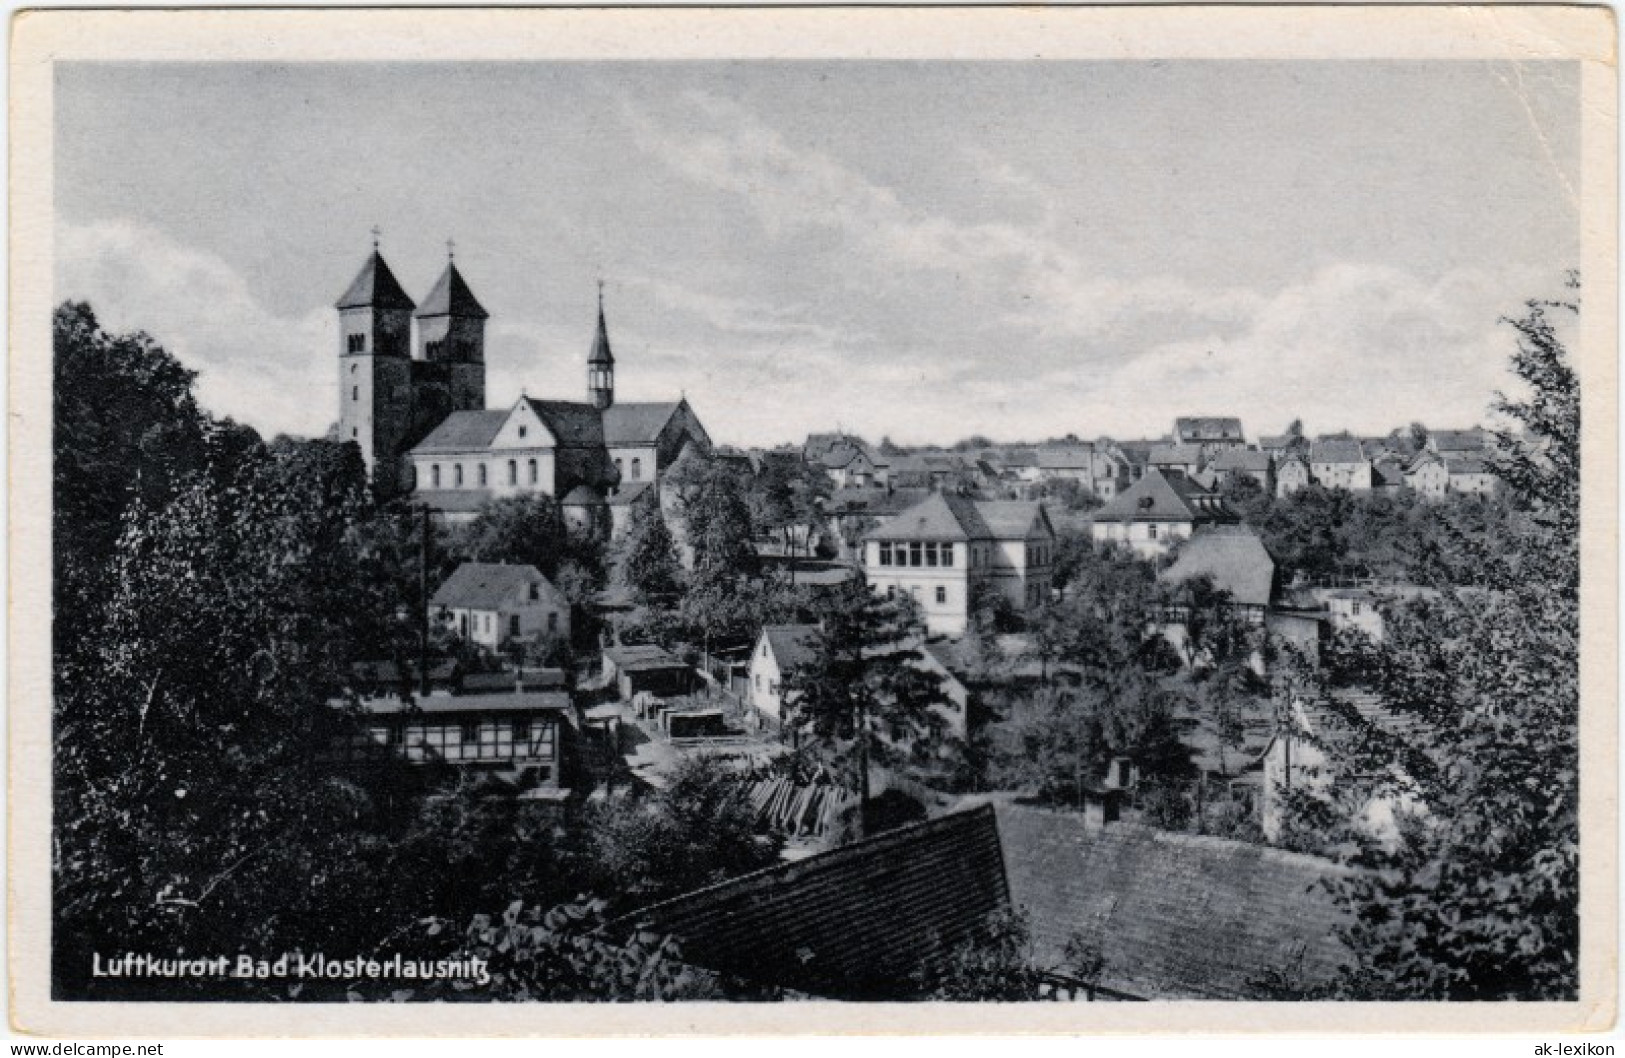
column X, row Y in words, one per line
column 1209, row 434
column 1292, row 473
column 1156, row 512
column 848, row 461
column 1185, row 459
column 1428, row 476
column 1470, row 476
column 520, row 734
column 1340, row 463
column 1245, row 463
column 1354, row 608
column 1387, row 474
column 1234, row 561
column 647, row 668
column 946, row 548
column 778, row 650
column 1470, row 442
column 493, row 605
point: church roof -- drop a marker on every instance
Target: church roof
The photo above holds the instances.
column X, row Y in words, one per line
column 463, row 430
column 451, row 297
column 636, row 424
column 575, row 425
column 375, row 287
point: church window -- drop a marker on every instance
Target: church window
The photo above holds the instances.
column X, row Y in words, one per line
column 434, row 475
column 433, row 349
column 457, row 475
column 357, row 344
column 533, row 471
column 482, row 475
column 355, row 392
column 355, row 431
column 513, row 472
column 637, row 469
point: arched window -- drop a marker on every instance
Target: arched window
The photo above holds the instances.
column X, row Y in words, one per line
column 434, row 475
column 482, row 475
column 513, row 472
column 533, row 472
column 637, row 469
column 355, row 392
column 457, row 475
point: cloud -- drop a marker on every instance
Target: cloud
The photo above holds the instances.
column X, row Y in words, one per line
column 272, row 372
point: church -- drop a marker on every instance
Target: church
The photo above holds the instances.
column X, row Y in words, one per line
column 417, row 411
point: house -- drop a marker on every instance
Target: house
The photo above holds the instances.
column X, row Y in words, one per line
column 945, row 549
column 1245, row 463
column 1067, row 462
column 1354, row 608
column 1292, row 473
column 778, row 650
column 1155, row 512
column 1186, row 459
column 1233, row 559
column 1171, row 915
column 1344, row 751
column 1470, row 476
column 848, row 461
column 855, row 923
column 1447, row 443
column 1387, row 474
column 493, row 604
column 646, row 668
column 1340, row 463
column 1209, row 434
column 1428, row 475
column 519, row 734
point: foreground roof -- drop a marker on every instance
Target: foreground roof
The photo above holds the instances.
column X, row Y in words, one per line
column 1337, row 450
column 1233, row 558
column 792, row 645
column 486, row 585
column 1245, row 459
column 853, row 923
column 1175, row 916
column 944, row 517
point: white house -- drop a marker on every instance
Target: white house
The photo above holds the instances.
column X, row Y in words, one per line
column 945, row 548
column 1340, row 463
column 777, row 651
column 1470, row 476
column 1428, row 476
column 1158, row 510
column 490, row 604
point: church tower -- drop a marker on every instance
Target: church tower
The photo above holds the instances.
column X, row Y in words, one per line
column 601, row 363
column 375, row 368
column 451, row 333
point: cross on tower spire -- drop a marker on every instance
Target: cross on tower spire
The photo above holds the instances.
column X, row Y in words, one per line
column 451, row 250
column 377, row 233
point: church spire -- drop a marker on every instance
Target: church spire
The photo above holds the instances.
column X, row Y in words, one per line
column 601, row 362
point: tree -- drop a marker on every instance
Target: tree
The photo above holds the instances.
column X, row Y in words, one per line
column 1480, row 898
column 864, row 678
column 651, row 567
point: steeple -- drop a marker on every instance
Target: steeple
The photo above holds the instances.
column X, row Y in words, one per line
column 601, row 362
column 451, row 297
column 375, row 287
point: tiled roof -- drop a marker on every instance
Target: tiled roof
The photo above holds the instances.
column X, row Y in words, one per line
column 1175, row 916
column 1208, row 429
column 375, row 286
column 1242, row 459
column 1175, row 455
column 853, row 923
column 1459, row 440
column 874, row 500
column 1467, row 465
column 463, row 430
column 944, row 517
column 636, row 424
column 1271, row 442
column 1163, row 496
column 451, row 297
column 486, row 585
column 1233, row 558
column 1075, row 457
column 792, row 644
column 1013, row 519
column 641, row 657
column 1337, row 450
column 572, row 423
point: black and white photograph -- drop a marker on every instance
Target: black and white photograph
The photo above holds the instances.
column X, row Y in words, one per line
column 1027, row 531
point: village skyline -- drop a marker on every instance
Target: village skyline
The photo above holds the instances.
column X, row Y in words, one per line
column 1038, row 240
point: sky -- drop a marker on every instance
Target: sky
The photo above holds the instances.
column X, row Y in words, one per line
column 919, row 250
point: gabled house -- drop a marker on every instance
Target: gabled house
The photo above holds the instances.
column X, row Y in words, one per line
column 847, row 461
column 1185, row 459
column 1428, row 476
column 1447, row 443
column 1233, row 559
column 1340, row 463
column 1244, row 463
column 493, row 604
column 1292, row 472
column 946, row 548
column 1470, row 476
column 1157, row 511
column 1209, row 434
column 778, row 650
